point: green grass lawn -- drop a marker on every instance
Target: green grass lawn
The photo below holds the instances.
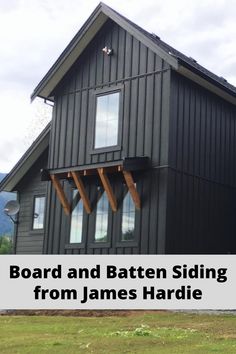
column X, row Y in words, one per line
column 160, row 332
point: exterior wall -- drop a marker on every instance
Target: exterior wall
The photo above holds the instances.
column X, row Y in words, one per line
column 202, row 174
column 145, row 119
column 144, row 109
column 30, row 241
column 188, row 195
column 149, row 221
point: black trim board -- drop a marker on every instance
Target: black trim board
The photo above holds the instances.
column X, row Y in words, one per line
column 128, row 163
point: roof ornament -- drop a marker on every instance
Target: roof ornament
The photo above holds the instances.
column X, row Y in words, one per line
column 192, row 59
column 172, row 54
column 107, row 50
column 222, row 78
column 155, row 36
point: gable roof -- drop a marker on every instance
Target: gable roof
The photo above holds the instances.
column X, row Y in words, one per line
column 177, row 60
column 27, row 160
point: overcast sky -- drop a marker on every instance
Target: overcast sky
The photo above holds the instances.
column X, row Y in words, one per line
column 33, row 33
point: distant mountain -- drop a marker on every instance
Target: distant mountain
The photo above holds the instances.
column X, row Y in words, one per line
column 6, row 225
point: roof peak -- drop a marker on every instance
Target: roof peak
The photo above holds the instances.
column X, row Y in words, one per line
column 89, row 29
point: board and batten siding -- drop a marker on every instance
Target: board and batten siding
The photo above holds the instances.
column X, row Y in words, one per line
column 202, row 174
column 149, row 221
column 30, row 241
column 144, row 109
column 145, row 119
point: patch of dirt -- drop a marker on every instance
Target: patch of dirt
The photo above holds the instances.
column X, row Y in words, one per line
column 228, row 336
column 77, row 313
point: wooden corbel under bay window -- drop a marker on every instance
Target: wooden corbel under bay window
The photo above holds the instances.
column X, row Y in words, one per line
column 126, row 168
column 80, row 186
column 108, row 189
column 132, row 188
column 61, row 194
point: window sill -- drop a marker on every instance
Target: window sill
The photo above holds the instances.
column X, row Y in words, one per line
column 99, row 245
column 94, row 151
column 126, row 244
column 70, row 246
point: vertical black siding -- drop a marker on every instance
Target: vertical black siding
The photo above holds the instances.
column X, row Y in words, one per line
column 145, row 122
column 201, row 187
column 148, row 220
column 72, row 132
column 28, row 241
column 149, row 226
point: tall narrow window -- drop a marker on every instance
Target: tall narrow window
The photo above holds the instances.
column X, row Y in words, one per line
column 76, row 222
column 107, row 118
column 128, row 219
column 38, row 215
column 102, row 219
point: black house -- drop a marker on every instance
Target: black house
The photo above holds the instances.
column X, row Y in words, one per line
column 139, row 156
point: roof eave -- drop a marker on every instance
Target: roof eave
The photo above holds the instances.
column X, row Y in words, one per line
column 70, row 54
column 206, row 82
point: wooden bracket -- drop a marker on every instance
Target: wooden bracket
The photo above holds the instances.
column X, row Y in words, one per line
column 102, row 172
column 60, row 193
column 80, row 186
column 107, row 186
column 132, row 189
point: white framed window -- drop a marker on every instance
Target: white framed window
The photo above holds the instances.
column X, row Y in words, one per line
column 101, row 227
column 76, row 224
column 38, row 212
column 107, row 120
column 128, row 219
